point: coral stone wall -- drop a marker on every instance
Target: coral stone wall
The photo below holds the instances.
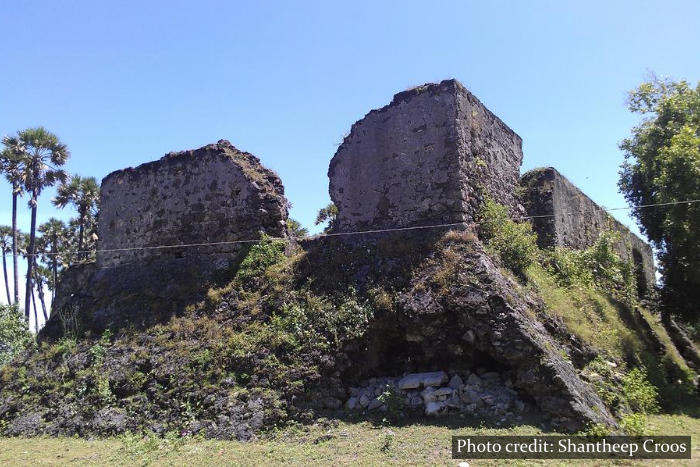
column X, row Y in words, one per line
column 212, row 194
column 427, row 157
column 578, row 221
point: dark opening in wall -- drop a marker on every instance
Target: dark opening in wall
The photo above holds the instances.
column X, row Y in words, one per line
column 393, row 349
column 642, row 287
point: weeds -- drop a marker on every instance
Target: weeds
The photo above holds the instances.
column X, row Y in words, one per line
column 514, row 243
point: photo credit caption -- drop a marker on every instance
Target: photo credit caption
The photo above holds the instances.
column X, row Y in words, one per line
column 571, row 447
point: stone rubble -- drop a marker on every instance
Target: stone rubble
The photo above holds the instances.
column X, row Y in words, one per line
column 480, row 393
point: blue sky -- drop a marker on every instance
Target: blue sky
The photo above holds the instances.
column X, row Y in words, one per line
column 125, row 82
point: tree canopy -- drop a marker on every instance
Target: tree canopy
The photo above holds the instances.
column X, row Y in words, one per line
column 662, row 165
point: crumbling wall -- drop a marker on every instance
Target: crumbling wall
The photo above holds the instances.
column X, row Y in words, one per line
column 578, row 221
column 212, row 194
column 428, row 157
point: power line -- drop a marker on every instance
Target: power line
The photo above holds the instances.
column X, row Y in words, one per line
column 359, row 232
column 670, row 203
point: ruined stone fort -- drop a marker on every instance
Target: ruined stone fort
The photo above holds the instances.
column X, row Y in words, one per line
column 429, row 157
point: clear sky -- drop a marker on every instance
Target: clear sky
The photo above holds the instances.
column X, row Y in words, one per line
column 124, row 82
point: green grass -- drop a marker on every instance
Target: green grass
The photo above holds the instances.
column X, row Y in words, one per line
column 325, row 443
column 588, row 313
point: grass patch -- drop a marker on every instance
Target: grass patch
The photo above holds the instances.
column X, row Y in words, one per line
column 326, row 443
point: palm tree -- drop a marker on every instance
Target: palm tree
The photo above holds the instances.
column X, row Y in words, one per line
column 11, row 164
column 84, row 194
column 6, row 246
column 327, row 214
column 55, row 235
column 42, row 153
column 296, row 229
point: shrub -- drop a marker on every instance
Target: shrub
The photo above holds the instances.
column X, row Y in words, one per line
column 318, row 319
column 640, row 394
column 598, row 265
column 513, row 242
column 14, row 333
column 595, row 431
column 262, row 255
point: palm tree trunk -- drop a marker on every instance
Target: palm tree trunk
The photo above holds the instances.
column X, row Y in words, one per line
column 54, row 269
column 40, row 286
column 14, row 245
column 36, row 317
column 30, row 258
column 7, row 284
column 81, row 229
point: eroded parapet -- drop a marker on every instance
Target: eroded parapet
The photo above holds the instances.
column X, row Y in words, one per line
column 168, row 229
column 428, row 157
column 577, row 221
column 211, row 195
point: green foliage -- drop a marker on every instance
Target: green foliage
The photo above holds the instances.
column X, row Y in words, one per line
column 513, row 242
column 388, row 442
column 662, row 165
column 598, row 265
column 65, row 345
column 641, row 395
column 324, row 321
column 329, row 215
column 632, row 393
column 634, row 424
column 99, row 350
column 595, row 431
column 393, row 399
column 14, row 333
column 84, row 194
column 265, row 253
column 604, row 383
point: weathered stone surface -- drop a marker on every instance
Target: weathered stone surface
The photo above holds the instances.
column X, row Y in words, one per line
column 352, row 403
column 410, row 381
column 578, row 221
column 374, row 404
column 416, row 380
column 212, row 194
column 455, row 382
column 434, row 408
column 423, row 159
column 440, row 392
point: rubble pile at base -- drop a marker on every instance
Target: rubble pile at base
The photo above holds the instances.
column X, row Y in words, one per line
column 481, row 393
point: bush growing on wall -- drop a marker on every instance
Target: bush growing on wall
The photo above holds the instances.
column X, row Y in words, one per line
column 597, row 265
column 513, row 242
